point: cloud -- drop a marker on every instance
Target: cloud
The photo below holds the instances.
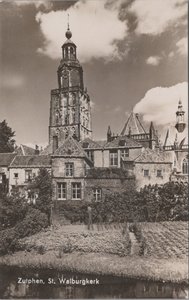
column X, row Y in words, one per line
column 93, row 105
column 117, row 109
column 171, row 54
column 11, row 81
column 38, row 3
column 154, row 16
column 153, row 60
column 95, row 26
column 182, row 46
column 160, row 103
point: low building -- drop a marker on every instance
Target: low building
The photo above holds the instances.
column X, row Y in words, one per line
column 5, row 160
column 24, row 168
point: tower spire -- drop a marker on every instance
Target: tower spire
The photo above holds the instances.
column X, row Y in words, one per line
column 180, row 124
column 68, row 32
column 68, row 22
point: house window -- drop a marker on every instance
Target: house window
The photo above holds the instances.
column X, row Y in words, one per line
column 69, row 169
column 124, row 153
column 28, row 175
column 90, row 155
column 16, row 175
column 97, row 193
column 159, row 173
column 61, row 190
column 146, row 173
column 113, row 158
column 185, row 166
column 76, row 190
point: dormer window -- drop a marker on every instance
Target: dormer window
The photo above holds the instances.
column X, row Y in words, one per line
column 85, row 145
column 122, row 143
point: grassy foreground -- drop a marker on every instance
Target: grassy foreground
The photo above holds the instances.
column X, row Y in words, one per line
column 106, row 251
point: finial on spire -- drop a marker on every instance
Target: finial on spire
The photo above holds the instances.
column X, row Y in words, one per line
column 68, row 32
column 68, row 23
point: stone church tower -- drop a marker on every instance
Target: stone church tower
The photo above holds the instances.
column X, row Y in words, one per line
column 70, row 111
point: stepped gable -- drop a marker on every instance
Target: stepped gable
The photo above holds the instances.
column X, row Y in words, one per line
column 6, row 158
column 71, row 148
column 31, row 161
column 90, row 144
column 123, row 141
column 153, row 156
column 25, row 150
column 133, row 125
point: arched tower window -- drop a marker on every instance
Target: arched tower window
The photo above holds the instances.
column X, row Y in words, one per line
column 185, row 166
column 66, row 53
column 67, row 119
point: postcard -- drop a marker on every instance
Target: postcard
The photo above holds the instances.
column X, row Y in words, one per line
column 93, row 149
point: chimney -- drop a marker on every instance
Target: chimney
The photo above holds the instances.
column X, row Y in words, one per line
column 109, row 134
column 36, row 150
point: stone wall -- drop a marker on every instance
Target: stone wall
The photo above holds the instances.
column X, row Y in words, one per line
column 142, row 180
column 107, row 186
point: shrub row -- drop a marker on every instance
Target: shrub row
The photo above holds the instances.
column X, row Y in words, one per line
column 31, row 224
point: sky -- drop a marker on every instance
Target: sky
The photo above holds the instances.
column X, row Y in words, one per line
column 133, row 53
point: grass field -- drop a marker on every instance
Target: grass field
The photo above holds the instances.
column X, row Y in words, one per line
column 166, row 239
column 163, row 240
column 98, row 251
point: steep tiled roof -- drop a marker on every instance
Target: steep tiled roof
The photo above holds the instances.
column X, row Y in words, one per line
column 47, row 150
column 127, row 159
column 25, row 150
column 153, row 156
column 31, row 161
column 6, row 159
column 90, row 144
column 133, row 125
column 121, row 141
column 101, row 143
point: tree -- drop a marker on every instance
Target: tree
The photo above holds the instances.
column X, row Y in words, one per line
column 168, row 202
column 12, row 210
column 42, row 184
column 6, row 138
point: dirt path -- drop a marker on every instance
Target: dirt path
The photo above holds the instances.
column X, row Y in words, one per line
column 135, row 247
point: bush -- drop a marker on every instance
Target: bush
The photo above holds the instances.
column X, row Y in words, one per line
column 32, row 223
column 12, row 210
column 43, row 185
column 9, row 239
column 41, row 249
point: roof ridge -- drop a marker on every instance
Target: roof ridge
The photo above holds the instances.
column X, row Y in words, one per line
column 22, row 148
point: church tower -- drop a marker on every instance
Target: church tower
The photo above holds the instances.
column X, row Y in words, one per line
column 70, row 111
column 180, row 124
